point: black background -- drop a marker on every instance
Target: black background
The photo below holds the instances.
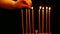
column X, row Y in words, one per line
column 11, row 19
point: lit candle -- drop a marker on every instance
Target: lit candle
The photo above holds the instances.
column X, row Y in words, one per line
column 49, row 18
column 26, row 23
column 29, row 22
column 46, row 19
column 32, row 20
column 39, row 19
column 22, row 21
column 42, row 20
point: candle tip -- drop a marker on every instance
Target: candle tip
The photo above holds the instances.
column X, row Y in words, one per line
column 31, row 7
column 40, row 7
column 46, row 7
column 49, row 8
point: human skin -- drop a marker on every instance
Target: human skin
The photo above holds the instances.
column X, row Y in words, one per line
column 11, row 4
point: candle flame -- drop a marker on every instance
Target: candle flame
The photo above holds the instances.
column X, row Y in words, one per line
column 49, row 8
column 42, row 7
column 31, row 7
column 46, row 7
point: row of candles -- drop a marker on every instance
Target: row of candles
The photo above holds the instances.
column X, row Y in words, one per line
column 31, row 31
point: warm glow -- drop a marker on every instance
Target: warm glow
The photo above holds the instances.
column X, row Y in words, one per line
column 42, row 7
column 46, row 7
column 49, row 8
column 31, row 7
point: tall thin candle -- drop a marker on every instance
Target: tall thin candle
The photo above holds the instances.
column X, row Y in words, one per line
column 42, row 20
column 22, row 21
column 49, row 18
column 46, row 18
column 39, row 19
column 29, row 22
column 32, row 20
column 26, row 23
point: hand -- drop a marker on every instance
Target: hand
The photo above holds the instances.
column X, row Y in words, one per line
column 11, row 4
column 23, row 3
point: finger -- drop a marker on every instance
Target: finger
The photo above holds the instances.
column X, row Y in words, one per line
column 25, row 6
column 29, row 2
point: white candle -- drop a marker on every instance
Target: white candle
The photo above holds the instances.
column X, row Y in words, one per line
column 29, row 22
column 39, row 19
column 26, row 23
column 22, row 21
column 46, row 18
column 32, row 20
column 49, row 18
column 42, row 19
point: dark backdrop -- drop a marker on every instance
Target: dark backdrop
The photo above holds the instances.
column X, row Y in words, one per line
column 11, row 19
